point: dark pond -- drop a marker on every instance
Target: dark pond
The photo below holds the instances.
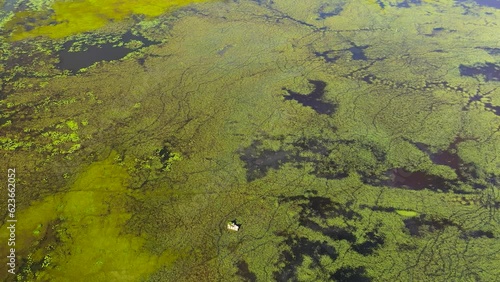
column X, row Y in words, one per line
column 494, row 109
column 74, row 61
column 488, row 3
column 244, row 272
column 329, row 10
column 258, row 161
column 358, row 52
column 350, row 274
column 299, row 248
column 478, row 234
column 489, row 71
column 491, row 51
column 313, row 99
column 417, row 180
column 328, row 56
column 408, row 3
column 417, row 226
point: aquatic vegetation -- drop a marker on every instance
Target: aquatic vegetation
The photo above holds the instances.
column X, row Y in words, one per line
column 345, row 138
column 406, row 213
column 73, row 17
column 78, row 224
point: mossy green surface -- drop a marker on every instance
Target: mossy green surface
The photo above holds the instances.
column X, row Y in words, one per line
column 77, row 16
column 81, row 231
column 407, row 213
column 135, row 165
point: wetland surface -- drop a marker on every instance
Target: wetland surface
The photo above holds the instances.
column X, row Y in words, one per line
column 347, row 140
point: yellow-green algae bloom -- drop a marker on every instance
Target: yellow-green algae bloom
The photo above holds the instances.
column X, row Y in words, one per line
column 88, row 222
column 407, row 213
column 73, row 17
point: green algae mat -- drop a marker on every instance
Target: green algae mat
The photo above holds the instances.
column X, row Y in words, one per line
column 250, row 140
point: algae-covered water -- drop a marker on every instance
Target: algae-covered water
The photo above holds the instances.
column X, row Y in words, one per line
column 347, row 140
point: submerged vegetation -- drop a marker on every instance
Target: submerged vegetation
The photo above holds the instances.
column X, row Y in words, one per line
column 351, row 140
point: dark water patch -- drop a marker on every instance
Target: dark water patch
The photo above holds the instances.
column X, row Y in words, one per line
column 129, row 36
column 329, row 56
column 421, row 146
column 417, row 180
column 300, row 247
column 164, row 154
column 477, row 234
column 466, row 172
column 479, row 186
column 3, row 120
column 378, row 208
column 258, row 161
column 495, row 205
column 358, row 52
column 489, row 50
column 339, row 233
column 315, row 151
column 258, row 165
column 419, row 225
column 244, row 272
column 74, row 61
column 319, row 206
column 435, row 31
column 322, row 207
column 494, row 109
column 470, row 174
column 311, row 192
column 489, row 71
column 403, row 4
column 329, row 10
column 370, row 78
column 372, row 243
column 313, row 99
column 334, row 232
column 317, row 146
column 282, row 16
column 475, row 98
column 447, row 158
column 329, row 169
column 408, row 3
column 486, row 3
column 10, row 6
column 402, row 178
column 338, row 168
column 442, row 84
column 350, row 274
column 493, row 180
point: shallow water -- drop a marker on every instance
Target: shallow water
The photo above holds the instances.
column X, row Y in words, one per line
column 349, row 140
